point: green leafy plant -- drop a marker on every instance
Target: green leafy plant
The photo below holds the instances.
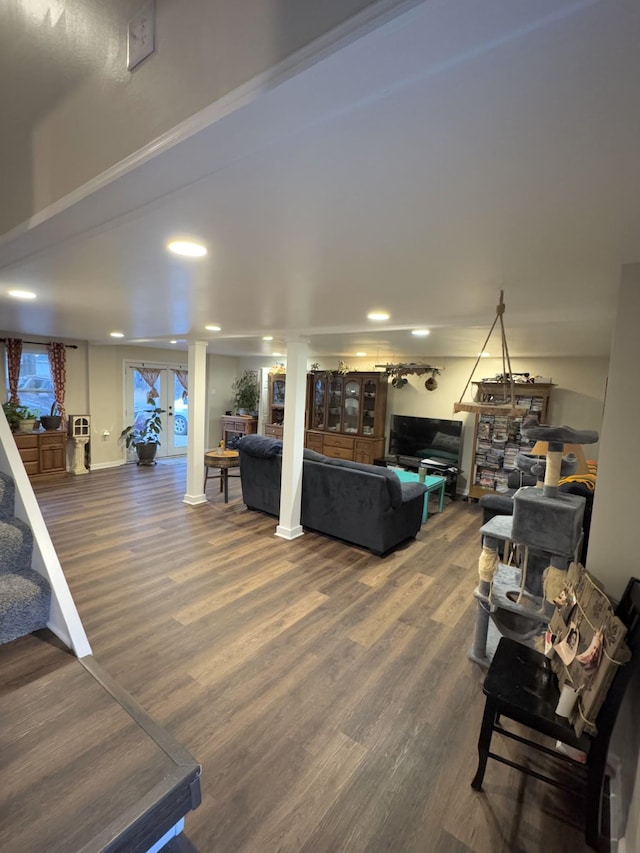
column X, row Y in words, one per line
column 145, row 429
column 15, row 413
column 246, row 392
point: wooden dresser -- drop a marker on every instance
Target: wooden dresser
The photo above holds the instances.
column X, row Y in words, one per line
column 237, row 424
column 44, row 453
column 357, row 448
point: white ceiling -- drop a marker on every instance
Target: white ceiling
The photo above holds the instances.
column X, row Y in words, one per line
column 462, row 148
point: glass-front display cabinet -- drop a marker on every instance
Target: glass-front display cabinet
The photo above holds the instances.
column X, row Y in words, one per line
column 334, row 409
column 351, row 406
column 317, row 403
column 274, row 418
column 346, row 414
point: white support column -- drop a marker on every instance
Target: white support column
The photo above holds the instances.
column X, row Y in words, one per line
column 197, row 409
column 293, row 441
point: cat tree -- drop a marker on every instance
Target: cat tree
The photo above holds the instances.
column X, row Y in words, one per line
column 514, row 601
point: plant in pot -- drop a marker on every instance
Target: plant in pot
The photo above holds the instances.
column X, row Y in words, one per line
column 143, row 434
column 53, row 420
column 20, row 418
column 246, row 393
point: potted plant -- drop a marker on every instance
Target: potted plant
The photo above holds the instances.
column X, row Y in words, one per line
column 53, row 420
column 12, row 414
column 246, row 393
column 143, row 435
column 20, row 418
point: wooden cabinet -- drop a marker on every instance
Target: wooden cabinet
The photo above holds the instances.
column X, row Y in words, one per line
column 237, row 424
column 346, row 415
column 498, row 439
column 274, row 420
column 44, row 453
column 273, row 430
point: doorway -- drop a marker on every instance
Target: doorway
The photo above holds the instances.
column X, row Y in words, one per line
column 166, row 386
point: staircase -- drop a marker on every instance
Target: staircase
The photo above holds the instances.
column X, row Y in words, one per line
column 25, row 595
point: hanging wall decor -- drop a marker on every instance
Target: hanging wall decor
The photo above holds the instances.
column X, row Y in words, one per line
column 505, row 404
column 399, row 373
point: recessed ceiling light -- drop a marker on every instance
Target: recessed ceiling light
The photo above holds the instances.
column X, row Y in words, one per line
column 361, row 354
column 483, row 355
column 187, row 249
column 277, row 354
column 116, row 334
column 22, row 294
column 173, row 342
column 420, row 333
column 378, row 315
column 213, row 328
column 268, row 338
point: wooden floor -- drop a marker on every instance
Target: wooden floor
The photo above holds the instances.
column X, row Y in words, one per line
column 326, row 692
column 84, row 768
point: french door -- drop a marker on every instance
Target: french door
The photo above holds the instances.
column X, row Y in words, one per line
column 148, row 386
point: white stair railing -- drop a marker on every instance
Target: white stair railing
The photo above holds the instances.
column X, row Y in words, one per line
column 64, row 620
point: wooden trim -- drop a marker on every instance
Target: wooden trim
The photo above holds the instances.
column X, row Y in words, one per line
column 164, row 740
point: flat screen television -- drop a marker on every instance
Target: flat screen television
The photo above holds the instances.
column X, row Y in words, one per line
column 426, row 438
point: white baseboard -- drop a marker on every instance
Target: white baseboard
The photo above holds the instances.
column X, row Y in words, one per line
column 289, row 532
column 194, row 500
column 99, row 466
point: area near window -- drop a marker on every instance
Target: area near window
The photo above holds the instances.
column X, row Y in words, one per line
column 165, row 386
column 35, row 387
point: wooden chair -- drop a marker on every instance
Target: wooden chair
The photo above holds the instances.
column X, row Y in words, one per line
column 521, row 686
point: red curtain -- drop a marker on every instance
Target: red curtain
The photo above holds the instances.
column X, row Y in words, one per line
column 183, row 379
column 14, row 354
column 57, row 363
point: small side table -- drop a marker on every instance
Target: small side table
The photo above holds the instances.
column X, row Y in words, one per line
column 222, row 460
column 433, row 484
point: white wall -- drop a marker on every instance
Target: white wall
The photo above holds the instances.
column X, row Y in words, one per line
column 221, row 374
column 95, row 386
column 577, row 399
column 613, row 544
column 81, row 111
column 107, row 394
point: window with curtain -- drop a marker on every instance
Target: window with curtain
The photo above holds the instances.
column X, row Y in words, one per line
column 35, row 384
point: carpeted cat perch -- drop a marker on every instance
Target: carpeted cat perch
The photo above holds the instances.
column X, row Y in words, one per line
column 544, row 520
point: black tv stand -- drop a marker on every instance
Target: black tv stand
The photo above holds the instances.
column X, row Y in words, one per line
column 433, row 466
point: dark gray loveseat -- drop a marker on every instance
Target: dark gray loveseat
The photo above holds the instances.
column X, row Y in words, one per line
column 363, row 504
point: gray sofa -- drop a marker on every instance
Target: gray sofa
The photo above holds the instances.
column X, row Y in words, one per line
column 366, row 505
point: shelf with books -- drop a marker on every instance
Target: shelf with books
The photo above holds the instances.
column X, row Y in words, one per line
column 498, row 438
